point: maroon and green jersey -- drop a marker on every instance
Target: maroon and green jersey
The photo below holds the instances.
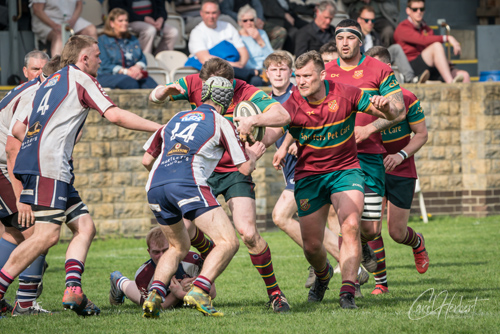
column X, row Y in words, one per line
column 397, row 137
column 374, row 78
column 324, row 130
column 243, row 91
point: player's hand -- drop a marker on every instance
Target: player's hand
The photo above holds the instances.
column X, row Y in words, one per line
column 186, row 283
column 361, row 133
column 392, row 161
column 293, row 149
column 26, row 217
column 279, row 158
column 245, row 128
column 257, row 149
column 380, row 102
column 176, row 288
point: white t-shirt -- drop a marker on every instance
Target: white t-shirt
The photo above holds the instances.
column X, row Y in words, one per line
column 205, row 38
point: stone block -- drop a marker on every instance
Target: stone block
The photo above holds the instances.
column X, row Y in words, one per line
column 101, row 180
column 81, row 150
column 81, row 180
column 129, row 210
column 438, row 152
column 100, row 149
column 493, row 181
column 107, row 132
column 113, row 195
column 450, row 93
column 122, row 179
column 102, row 211
column 435, row 168
column 441, row 108
column 108, row 164
column 140, row 178
column 87, row 165
column 135, row 194
column 130, row 164
column 120, row 148
column 91, row 195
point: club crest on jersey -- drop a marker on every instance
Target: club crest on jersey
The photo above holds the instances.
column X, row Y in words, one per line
column 34, row 129
column 178, row 149
column 358, row 74
column 194, row 116
column 52, row 81
column 333, row 106
column 304, row 204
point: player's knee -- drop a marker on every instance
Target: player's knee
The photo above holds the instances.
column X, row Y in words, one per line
column 350, row 226
column 312, row 247
column 249, row 238
column 279, row 218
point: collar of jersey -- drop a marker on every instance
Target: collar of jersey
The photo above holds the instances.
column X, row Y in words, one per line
column 348, row 68
column 327, row 89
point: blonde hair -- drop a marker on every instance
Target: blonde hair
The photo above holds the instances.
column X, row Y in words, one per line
column 155, row 236
column 112, row 16
column 74, row 47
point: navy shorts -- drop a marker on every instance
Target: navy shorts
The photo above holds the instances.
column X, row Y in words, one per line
column 173, row 201
column 8, row 205
column 399, row 190
column 289, row 172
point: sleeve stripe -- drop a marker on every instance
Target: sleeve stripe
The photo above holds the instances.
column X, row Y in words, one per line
column 393, row 92
column 415, row 102
column 416, row 122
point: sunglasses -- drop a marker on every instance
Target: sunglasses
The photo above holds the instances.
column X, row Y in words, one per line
column 422, row 9
column 368, row 20
column 245, row 21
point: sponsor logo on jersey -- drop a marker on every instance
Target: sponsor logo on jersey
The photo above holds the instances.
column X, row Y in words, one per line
column 34, row 129
column 52, row 81
column 155, row 207
column 101, row 89
column 358, row 74
column 266, row 97
column 304, row 204
column 333, row 106
column 194, row 116
column 335, row 75
column 29, row 192
column 178, row 149
column 393, row 84
column 310, row 112
column 188, row 200
column 291, row 181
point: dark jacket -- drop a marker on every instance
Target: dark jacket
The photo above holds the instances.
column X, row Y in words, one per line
column 275, row 14
column 310, row 38
column 376, row 41
column 158, row 9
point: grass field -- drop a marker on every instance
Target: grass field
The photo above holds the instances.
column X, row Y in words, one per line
column 460, row 292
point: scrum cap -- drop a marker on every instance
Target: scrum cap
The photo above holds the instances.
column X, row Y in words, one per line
column 219, row 90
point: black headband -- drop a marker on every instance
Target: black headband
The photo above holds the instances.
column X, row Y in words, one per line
column 352, row 31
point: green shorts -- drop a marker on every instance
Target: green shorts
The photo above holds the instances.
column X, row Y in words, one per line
column 231, row 184
column 313, row 192
column 373, row 167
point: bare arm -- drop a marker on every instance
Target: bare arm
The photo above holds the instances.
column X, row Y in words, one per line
column 162, row 92
column 244, row 56
column 363, row 132
column 271, row 136
column 148, row 160
column 129, row 120
column 203, row 56
column 280, row 155
column 254, row 152
column 76, row 13
column 39, row 10
column 275, row 116
column 416, row 142
column 382, row 107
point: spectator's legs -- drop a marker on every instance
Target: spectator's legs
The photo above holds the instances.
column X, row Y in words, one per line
column 168, row 40
column 434, row 56
column 55, row 42
column 120, row 81
column 146, row 34
column 277, row 35
column 399, row 59
column 89, row 31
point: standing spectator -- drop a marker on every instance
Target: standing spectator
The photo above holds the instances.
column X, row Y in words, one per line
column 423, row 49
column 50, row 15
column 386, row 16
column 275, row 33
column 147, row 19
column 123, row 62
column 256, row 40
column 318, row 32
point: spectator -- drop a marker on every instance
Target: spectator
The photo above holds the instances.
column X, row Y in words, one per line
column 275, row 33
column 50, row 15
column 386, row 16
column 319, row 31
column 148, row 19
column 123, row 62
column 329, row 51
column 283, row 13
column 214, row 38
column 256, row 40
column 366, row 20
column 423, row 49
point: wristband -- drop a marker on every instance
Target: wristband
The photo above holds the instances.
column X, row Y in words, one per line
column 153, row 96
column 403, row 154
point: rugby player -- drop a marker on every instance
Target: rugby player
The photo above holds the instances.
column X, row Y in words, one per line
column 237, row 189
column 44, row 166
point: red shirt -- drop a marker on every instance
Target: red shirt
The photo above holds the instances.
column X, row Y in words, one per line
column 415, row 40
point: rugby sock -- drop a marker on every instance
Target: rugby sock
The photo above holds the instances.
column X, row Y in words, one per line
column 347, row 287
column 411, row 238
column 74, row 271
column 340, row 240
column 364, row 240
column 160, row 288
column 203, row 244
column 29, row 280
column 5, row 281
column 324, row 273
column 121, row 281
column 203, row 283
column 380, row 273
column 6, row 248
column 264, row 265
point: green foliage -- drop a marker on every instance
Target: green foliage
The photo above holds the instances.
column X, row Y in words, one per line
column 463, row 260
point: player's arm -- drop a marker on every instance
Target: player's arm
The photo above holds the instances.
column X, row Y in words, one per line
column 416, row 142
column 161, row 93
column 129, row 120
column 383, row 108
column 279, row 156
column 254, row 153
column 272, row 135
column 276, row 116
column 363, row 132
column 148, row 160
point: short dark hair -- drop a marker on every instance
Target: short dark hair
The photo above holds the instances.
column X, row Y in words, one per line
column 329, row 47
column 309, row 56
column 412, row 1
column 368, row 8
column 381, row 53
column 348, row 23
column 216, row 67
column 279, row 57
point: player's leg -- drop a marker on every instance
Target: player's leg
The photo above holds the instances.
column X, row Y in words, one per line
column 283, row 213
column 199, row 240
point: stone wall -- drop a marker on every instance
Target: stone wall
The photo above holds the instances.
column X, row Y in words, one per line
column 459, row 167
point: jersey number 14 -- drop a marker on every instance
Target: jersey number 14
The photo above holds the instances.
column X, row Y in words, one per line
column 186, row 134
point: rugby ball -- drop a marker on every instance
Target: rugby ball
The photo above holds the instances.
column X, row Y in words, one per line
column 245, row 109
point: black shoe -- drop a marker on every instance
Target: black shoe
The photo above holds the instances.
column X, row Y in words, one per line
column 279, row 303
column 5, row 307
column 347, row 301
column 368, row 258
column 317, row 291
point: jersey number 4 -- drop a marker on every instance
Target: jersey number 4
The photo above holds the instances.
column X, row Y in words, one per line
column 186, row 134
column 44, row 105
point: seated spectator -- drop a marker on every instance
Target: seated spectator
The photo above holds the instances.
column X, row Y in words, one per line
column 386, row 16
column 318, row 32
column 49, row 16
column 329, row 51
column 123, row 63
column 147, row 19
column 214, row 38
column 283, row 13
column 275, row 33
column 256, row 40
column 366, row 19
column 424, row 49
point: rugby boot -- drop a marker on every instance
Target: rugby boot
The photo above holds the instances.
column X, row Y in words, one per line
column 5, row 307
column 32, row 310
column 317, row 291
column 116, row 296
column 75, row 300
column 380, row 290
column 152, row 305
column 368, row 258
column 347, row 301
column 200, row 300
column 357, row 291
column 279, row 303
column 311, row 278
column 421, row 256
column 363, row 276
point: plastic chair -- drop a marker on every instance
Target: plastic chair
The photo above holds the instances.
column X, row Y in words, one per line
column 173, row 61
column 160, row 75
column 178, row 22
